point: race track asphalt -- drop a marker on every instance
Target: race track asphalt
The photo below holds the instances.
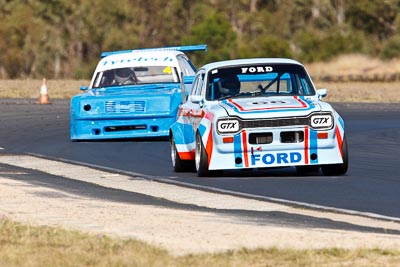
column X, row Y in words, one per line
column 372, row 184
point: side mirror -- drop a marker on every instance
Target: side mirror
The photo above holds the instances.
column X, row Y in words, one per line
column 83, row 88
column 196, row 99
column 322, row 93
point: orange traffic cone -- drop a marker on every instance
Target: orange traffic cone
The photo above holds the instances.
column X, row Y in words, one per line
column 44, row 98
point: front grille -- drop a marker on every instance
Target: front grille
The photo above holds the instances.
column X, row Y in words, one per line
column 260, row 138
column 292, row 137
column 314, row 120
column 125, row 106
column 268, row 123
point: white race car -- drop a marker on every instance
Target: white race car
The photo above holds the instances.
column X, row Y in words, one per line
column 257, row 113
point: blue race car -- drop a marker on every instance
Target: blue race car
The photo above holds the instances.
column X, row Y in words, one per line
column 133, row 93
column 257, row 113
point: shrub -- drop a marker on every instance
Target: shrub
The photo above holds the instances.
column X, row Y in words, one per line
column 265, row 46
column 391, row 48
column 324, row 46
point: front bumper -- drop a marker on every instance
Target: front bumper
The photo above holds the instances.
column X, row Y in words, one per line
column 86, row 129
column 298, row 146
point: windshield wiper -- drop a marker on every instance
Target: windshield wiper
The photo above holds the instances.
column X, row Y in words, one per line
column 236, row 95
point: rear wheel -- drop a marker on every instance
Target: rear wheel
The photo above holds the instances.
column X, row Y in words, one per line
column 201, row 158
column 178, row 164
column 338, row 169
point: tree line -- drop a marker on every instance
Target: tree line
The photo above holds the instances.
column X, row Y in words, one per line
column 64, row 38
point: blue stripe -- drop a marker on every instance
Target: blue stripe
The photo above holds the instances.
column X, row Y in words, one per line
column 341, row 122
column 202, row 129
column 313, row 145
column 237, row 148
column 183, row 133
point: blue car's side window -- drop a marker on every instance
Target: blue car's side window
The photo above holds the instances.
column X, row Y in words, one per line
column 186, row 67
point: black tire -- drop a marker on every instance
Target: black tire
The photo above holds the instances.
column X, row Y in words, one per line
column 305, row 170
column 338, row 169
column 201, row 158
column 178, row 164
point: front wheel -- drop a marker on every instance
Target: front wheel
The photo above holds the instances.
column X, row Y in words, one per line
column 338, row 169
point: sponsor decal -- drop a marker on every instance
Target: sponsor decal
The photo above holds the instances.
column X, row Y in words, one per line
column 167, row 70
column 138, row 59
column 257, row 69
column 269, row 102
column 228, row 126
column 276, row 159
column 318, row 121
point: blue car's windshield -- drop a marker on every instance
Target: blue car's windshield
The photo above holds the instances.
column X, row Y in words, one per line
column 259, row 80
column 136, row 75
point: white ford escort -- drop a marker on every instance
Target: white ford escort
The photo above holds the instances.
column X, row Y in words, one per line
column 257, row 113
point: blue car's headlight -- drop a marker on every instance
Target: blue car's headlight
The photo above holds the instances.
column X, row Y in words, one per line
column 87, row 107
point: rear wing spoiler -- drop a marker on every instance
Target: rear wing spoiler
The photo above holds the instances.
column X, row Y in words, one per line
column 185, row 48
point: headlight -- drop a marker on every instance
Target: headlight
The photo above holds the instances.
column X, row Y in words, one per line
column 87, row 107
column 228, row 126
column 319, row 121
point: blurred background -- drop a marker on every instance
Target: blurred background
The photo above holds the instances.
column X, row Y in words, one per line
column 63, row 39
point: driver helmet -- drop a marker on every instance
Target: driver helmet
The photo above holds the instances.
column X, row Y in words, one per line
column 122, row 75
column 229, row 85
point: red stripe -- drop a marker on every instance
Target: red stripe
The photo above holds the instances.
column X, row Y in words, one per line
column 209, row 116
column 339, row 140
column 209, row 146
column 303, row 105
column 244, row 141
column 306, row 145
column 236, row 104
column 187, row 155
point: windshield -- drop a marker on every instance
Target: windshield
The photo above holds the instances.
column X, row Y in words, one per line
column 136, row 75
column 258, row 80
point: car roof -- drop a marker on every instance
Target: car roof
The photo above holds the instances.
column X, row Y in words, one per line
column 247, row 61
column 139, row 58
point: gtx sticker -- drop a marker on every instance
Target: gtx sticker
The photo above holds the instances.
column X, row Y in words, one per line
column 321, row 121
column 228, row 126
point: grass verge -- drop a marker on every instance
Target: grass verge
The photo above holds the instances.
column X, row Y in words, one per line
column 23, row 245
